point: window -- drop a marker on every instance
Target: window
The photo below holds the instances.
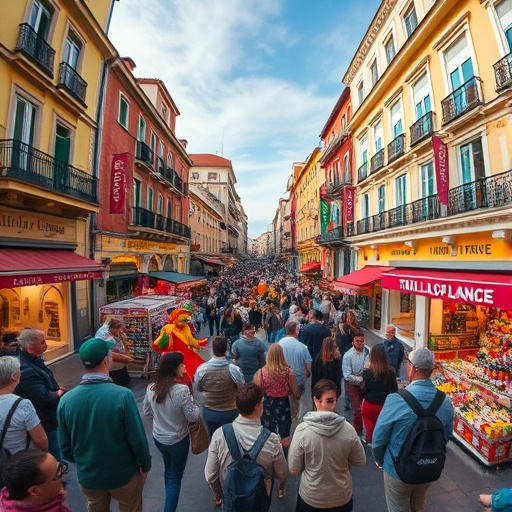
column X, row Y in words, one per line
column 421, row 97
column 136, row 193
column 72, row 48
column 141, row 132
column 165, row 113
column 212, row 176
column 364, row 151
column 24, row 121
column 346, row 170
column 389, row 48
column 472, row 161
column 458, row 63
column 365, row 206
column 343, row 122
column 170, row 161
column 169, row 208
column 401, row 190
column 410, row 20
column 150, row 199
column 152, row 142
column 40, row 19
column 160, row 204
column 124, row 109
column 377, row 136
column 504, row 12
column 396, row 120
column 195, row 176
column 161, row 151
column 382, row 198
column 374, row 72
column 427, row 177
column 360, row 92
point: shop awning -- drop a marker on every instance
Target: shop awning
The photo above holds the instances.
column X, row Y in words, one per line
column 210, row 261
column 312, row 266
column 25, row 267
column 479, row 289
column 361, row 278
column 178, row 278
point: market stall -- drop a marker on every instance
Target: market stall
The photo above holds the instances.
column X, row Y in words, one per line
column 172, row 283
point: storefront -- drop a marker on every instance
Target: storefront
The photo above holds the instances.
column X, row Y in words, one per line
column 206, row 266
column 173, row 283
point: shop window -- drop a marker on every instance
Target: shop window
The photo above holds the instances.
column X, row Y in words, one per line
column 407, row 303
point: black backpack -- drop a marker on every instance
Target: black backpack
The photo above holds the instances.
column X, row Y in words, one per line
column 423, row 453
column 5, row 454
column 244, row 488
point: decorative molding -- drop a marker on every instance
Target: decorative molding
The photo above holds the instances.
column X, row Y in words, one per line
column 376, row 117
column 418, row 69
column 393, row 97
column 444, row 39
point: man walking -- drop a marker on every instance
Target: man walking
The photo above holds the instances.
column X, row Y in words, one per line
column 101, row 431
column 314, row 333
column 38, row 384
column 247, row 428
column 248, row 352
column 393, row 426
column 353, row 365
column 394, row 349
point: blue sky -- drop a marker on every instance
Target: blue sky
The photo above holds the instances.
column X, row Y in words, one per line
column 254, row 80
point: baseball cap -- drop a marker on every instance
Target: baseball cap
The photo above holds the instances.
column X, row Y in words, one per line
column 423, row 359
column 93, row 351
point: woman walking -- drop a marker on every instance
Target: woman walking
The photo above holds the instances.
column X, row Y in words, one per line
column 172, row 408
column 322, row 450
column 327, row 364
column 379, row 380
column 278, row 382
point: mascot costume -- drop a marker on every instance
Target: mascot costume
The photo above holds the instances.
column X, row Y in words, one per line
column 177, row 336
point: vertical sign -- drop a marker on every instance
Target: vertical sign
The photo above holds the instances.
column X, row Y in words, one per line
column 324, row 215
column 441, row 169
column 348, row 204
column 118, row 183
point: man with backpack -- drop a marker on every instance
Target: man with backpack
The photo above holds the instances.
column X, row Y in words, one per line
column 410, row 444
column 245, row 457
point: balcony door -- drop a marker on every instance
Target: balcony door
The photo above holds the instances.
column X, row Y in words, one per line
column 62, row 155
column 472, row 174
column 72, row 48
column 40, row 19
column 504, row 12
column 23, row 133
column 459, row 67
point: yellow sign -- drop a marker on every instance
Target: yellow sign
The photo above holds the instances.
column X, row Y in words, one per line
column 137, row 246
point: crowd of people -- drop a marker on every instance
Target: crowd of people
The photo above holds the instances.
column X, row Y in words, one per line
column 247, row 387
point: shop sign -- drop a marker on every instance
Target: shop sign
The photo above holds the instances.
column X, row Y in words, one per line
column 137, row 246
column 38, row 279
column 348, row 204
column 118, row 183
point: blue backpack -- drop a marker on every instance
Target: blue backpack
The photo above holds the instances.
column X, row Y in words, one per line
column 244, row 487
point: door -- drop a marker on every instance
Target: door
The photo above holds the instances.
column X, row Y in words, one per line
column 61, row 154
column 40, row 19
column 23, row 134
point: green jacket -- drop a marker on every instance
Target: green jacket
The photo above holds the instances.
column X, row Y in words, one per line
column 101, row 431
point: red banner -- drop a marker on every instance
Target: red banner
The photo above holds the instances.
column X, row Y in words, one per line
column 441, row 169
column 118, row 183
column 348, row 204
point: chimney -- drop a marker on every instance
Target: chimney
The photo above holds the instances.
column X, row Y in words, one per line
column 129, row 63
column 184, row 143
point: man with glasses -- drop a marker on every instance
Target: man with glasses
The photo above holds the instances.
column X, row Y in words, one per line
column 394, row 349
column 38, row 384
column 34, row 480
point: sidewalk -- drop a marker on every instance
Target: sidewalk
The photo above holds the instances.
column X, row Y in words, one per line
column 457, row 491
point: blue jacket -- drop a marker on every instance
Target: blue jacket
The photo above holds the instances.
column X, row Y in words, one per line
column 396, row 420
column 501, row 500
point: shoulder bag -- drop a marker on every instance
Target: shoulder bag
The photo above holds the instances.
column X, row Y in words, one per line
column 199, row 440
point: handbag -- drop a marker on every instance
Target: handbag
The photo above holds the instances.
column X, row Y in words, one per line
column 199, row 439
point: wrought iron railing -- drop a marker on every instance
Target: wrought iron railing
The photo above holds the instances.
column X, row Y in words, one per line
column 462, row 99
column 22, row 162
column 72, row 81
column 362, row 172
column 335, row 234
column 396, row 148
column 503, row 72
column 422, row 128
column 148, row 219
column 377, row 161
column 144, row 153
column 35, row 47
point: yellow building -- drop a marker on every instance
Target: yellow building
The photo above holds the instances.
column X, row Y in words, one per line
column 52, row 60
column 430, row 86
column 308, row 179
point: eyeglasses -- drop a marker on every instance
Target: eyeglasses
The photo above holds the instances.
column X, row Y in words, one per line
column 62, row 469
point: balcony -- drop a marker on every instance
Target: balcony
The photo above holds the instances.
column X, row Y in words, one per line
column 148, row 219
column 26, row 164
column 333, row 235
column 422, row 128
column 491, row 192
column 36, row 48
column 362, row 172
column 72, row 81
column 377, row 161
column 463, row 99
column 396, row 148
column 144, row 153
column 503, row 72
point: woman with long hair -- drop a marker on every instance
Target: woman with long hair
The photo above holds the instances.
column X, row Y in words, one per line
column 379, row 380
column 170, row 405
column 231, row 326
column 327, row 364
column 324, row 447
column 278, row 382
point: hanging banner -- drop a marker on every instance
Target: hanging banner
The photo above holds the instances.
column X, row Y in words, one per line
column 441, row 169
column 324, row 215
column 118, row 183
column 348, row 204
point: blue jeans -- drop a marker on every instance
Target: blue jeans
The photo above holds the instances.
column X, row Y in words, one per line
column 53, row 444
column 215, row 419
column 175, row 459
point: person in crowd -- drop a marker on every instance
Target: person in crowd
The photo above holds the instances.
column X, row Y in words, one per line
column 327, row 364
column 277, row 382
column 247, row 427
column 218, row 380
column 214, row 304
column 322, row 450
column 273, row 322
column 499, row 501
column 394, row 349
column 34, row 481
column 231, row 325
column 248, row 352
column 394, row 424
column 298, row 358
column 255, row 317
column 118, row 371
column 327, row 308
column 24, row 419
column 314, row 333
column 171, row 406
column 353, row 365
column 38, row 384
column 284, row 305
column 379, row 380
column 344, row 337
column 101, row 431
